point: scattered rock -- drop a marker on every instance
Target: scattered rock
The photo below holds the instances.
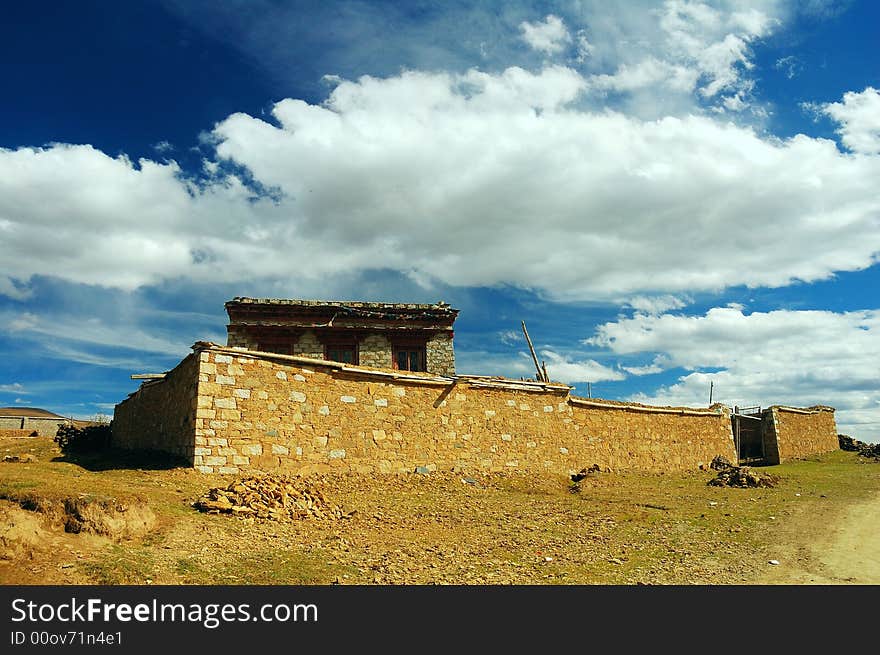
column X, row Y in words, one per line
column 274, row 497
column 847, row 443
column 742, row 476
column 863, row 449
column 20, row 459
column 585, row 472
column 774, row 562
column 422, row 470
column 720, row 463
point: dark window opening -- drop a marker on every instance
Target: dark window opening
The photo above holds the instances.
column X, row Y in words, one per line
column 278, row 348
column 345, row 353
column 409, row 359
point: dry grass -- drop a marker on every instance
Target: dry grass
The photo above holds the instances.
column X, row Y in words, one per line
column 426, row 529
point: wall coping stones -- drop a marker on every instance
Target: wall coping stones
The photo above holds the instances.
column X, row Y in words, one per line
column 422, row 378
column 815, row 409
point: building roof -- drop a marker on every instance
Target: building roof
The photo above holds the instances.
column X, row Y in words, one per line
column 28, row 412
column 343, row 304
column 259, row 311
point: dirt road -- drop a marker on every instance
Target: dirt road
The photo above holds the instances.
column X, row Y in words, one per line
column 848, row 552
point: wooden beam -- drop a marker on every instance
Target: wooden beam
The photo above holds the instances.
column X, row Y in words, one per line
column 534, row 356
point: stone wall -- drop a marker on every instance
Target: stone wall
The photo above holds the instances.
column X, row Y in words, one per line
column 284, row 413
column 238, row 338
column 308, row 346
column 44, row 427
column 441, row 354
column 768, row 435
column 161, row 414
column 803, row 432
column 375, row 350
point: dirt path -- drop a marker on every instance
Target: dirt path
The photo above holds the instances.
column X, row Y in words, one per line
column 848, row 553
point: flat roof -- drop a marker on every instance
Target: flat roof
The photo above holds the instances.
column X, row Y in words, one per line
column 354, row 304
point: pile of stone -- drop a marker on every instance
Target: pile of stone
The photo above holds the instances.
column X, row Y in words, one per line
column 273, row 497
column 847, row 443
column 854, row 445
column 20, row 459
column 720, row 463
column 739, row 476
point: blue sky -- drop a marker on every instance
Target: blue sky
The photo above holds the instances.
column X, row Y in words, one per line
column 670, row 194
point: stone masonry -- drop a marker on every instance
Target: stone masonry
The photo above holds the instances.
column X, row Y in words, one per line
column 230, row 410
column 441, row 355
column 375, row 351
column 162, row 414
column 800, row 432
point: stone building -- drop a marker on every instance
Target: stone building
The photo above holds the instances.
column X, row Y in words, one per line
column 402, row 336
column 31, row 420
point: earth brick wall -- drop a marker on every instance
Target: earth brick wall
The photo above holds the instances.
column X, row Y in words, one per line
column 272, row 413
column 161, row 414
column 801, row 433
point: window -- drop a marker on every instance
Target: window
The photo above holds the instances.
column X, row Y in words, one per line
column 345, row 353
column 281, row 348
column 409, row 358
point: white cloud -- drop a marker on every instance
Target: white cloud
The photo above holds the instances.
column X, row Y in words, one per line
column 709, row 47
column 657, row 304
column 585, row 49
column 859, row 119
column 63, row 328
column 790, row 65
column 647, row 73
column 561, row 368
column 473, row 179
column 11, row 288
column 15, row 387
column 779, row 357
column 650, row 369
column 549, row 37
column 511, row 337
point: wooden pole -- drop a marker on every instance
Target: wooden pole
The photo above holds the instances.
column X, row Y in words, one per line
column 711, row 389
column 736, row 436
column 544, row 369
column 532, row 350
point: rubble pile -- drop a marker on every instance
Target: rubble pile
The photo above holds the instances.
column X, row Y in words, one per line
column 720, row 463
column 20, row 459
column 854, row 445
column 273, row 497
column 742, row 476
column 847, row 443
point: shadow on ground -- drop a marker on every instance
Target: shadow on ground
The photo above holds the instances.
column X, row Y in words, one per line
column 116, row 459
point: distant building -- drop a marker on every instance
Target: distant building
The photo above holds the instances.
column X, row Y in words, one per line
column 44, row 423
column 403, row 336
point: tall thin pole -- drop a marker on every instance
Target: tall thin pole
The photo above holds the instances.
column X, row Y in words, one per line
column 589, row 390
column 711, row 389
column 532, row 350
